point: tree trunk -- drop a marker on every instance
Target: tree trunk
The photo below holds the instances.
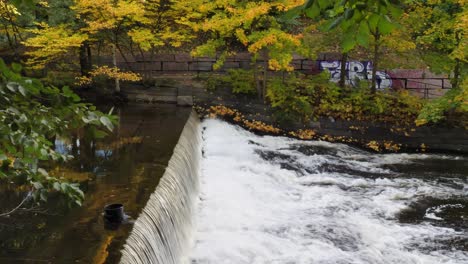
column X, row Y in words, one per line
column 375, row 62
column 343, row 73
column 456, row 74
column 84, row 59
column 256, row 74
column 127, row 62
column 114, row 62
column 90, row 58
column 265, row 74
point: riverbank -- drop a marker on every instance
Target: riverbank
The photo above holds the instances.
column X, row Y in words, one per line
column 255, row 115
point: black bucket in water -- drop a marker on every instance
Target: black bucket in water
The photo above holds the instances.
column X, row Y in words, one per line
column 114, row 213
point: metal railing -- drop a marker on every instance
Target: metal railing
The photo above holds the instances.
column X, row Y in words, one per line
column 424, row 85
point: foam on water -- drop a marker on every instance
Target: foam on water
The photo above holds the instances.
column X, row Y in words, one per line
column 279, row 200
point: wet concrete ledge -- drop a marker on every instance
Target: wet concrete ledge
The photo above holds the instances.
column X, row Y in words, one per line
column 360, row 133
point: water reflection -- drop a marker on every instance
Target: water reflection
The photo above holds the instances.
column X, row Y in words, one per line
column 122, row 168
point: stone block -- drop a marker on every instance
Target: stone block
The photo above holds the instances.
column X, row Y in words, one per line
column 208, row 59
column 296, row 64
column 136, row 66
column 309, row 65
column 186, row 100
column 183, row 57
column 314, row 125
column 143, row 98
column 243, row 56
column 165, row 99
column 164, row 57
column 153, row 66
column 201, row 66
column 297, row 57
column 175, row 66
column 230, row 65
column 184, row 91
column 246, row 65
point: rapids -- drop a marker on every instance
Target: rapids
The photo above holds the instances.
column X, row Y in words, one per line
column 274, row 200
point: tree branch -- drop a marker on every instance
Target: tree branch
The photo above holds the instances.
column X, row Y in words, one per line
column 17, row 207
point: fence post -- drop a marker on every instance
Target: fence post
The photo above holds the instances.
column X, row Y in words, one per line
column 426, row 92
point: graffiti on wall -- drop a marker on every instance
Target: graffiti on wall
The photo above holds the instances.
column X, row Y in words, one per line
column 356, row 71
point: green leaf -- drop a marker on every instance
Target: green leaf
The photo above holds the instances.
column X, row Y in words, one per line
column 99, row 133
column 373, row 22
column 92, row 116
column 348, row 43
column 335, row 23
column 22, row 90
column 64, row 186
column 43, row 172
column 324, row 3
column 348, row 14
column 313, row 11
column 292, row 13
column 44, row 196
column 16, row 67
column 38, row 185
column 107, row 123
column 385, row 26
column 57, row 186
column 309, row 3
column 12, row 86
column 44, row 152
column 363, row 35
column 395, row 11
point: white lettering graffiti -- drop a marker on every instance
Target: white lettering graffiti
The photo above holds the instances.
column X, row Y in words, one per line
column 356, row 71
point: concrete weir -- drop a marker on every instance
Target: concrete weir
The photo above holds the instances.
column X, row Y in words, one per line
column 181, row 95
column 163, row 231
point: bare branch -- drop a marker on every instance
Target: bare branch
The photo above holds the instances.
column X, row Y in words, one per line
column 17, row 207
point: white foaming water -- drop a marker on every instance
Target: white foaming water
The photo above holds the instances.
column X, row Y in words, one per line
column 279, row 200
column 163, row 231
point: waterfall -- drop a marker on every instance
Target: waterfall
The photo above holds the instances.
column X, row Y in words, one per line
column 163, row 231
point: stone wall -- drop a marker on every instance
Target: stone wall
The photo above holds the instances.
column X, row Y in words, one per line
column 188, row 92
column 421, row 82
column 183, row 62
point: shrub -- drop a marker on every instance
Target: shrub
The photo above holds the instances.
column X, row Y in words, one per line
column 301, row 98
column 240, row 81
column 454, row 102
column 285, row 97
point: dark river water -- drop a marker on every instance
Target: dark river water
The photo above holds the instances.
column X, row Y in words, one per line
column 123, row 168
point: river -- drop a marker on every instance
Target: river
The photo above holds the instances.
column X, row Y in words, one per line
column 123, row 168
column 280, row 200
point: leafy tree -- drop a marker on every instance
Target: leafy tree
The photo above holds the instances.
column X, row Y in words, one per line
column 454, row 102
column 51, row 44
column 160, row 25
column 362, row 22
column 9, row 14
column 251, row 25
column 106, row 20
column 31, row 116
column 440, row 29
